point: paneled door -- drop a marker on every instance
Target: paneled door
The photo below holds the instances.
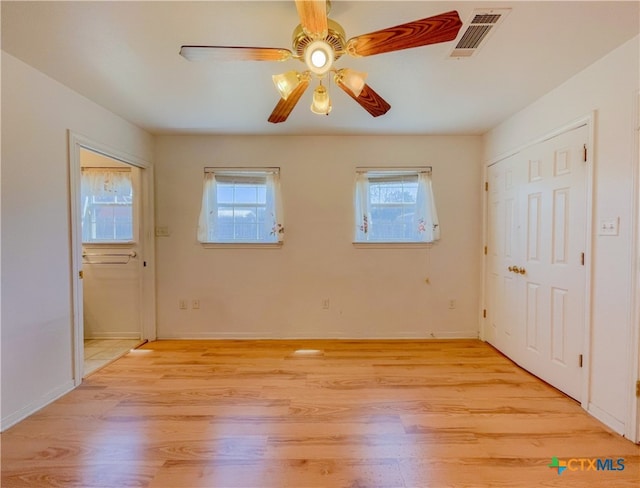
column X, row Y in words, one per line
column 536, row 236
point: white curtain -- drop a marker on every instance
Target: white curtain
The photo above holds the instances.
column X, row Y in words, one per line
column 105, row 182
column 362, row 208
column 208, row 222
column 425, row 226
column 274, row 208
column 426, row 216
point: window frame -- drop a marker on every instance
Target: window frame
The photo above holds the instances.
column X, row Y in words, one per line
column 388, row 173
column 243, row 173
column 132, row 205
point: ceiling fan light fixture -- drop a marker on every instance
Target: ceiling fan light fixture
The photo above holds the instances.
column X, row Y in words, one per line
column 352, row 79
column 319, row 57
column 321, row 103
column 286, row 82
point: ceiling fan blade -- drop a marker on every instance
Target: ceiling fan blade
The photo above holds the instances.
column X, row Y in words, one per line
column 313, row 17
column 284, row 107
column 368, row 99
column 234, row 53
column 432, row 30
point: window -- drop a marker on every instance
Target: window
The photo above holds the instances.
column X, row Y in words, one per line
column 395, row 206
column 241, row 206
column 107, row 205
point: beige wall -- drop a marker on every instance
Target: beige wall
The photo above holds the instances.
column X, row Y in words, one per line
column 279, row 292
column 610, row 88
column 37, row 313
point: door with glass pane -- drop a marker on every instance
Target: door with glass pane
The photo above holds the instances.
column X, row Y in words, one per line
column 110, row 222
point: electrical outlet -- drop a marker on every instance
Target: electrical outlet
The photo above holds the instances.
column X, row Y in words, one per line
column 195, row 304
column 452, row 303
column 325, row 303
column 182, row 304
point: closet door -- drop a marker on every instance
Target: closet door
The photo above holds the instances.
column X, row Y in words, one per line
column 535, row 274
column 504, row 252
column 554, row 231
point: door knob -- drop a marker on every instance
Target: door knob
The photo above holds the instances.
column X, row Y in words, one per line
column 510, row 268
column 522, row 271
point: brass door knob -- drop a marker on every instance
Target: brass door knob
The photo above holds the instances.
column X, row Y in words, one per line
column 510, row 268
column 522, row 271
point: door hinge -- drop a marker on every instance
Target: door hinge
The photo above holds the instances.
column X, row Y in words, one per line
column 485, row 250
column 580, row 360
column 638, row 388
column 80, row 274
column 486, row 186
column 484, row 313
column 584, row 153
column 582, row 258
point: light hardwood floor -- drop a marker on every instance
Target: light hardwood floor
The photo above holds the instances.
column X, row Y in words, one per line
column 312, row 414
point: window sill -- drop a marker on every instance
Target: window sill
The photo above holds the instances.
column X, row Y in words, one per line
column 241, row 245
column 392, row 245
column 99, row 244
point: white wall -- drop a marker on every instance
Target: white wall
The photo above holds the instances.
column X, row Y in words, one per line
column 278, row 292
column 609, row 87
column 36, row 289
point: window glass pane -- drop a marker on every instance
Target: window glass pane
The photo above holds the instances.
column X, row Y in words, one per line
column 107, row 206
column 239, row 212
column 393, row 206
column 392, row 209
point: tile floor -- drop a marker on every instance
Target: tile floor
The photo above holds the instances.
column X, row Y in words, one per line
column 100, row 352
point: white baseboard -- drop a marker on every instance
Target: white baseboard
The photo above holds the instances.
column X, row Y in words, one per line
column 606, row 418
column 112, row 335
column 255, row 336
column 33, row 407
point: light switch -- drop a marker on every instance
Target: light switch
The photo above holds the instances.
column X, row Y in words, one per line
column 162, row 231
column 609, row 227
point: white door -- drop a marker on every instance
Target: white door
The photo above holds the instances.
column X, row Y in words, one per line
column 503, row 252
column 536, row 275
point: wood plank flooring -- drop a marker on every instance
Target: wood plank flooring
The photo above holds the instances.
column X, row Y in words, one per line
column 313, row 414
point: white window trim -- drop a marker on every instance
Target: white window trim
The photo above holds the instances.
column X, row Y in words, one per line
column 383, row 171
column 245, row 172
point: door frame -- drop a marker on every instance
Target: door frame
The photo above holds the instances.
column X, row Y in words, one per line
column 589, row 121
column 633, row 428
column 77, row 142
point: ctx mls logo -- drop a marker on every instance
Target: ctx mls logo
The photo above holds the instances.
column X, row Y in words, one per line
column 587, row 464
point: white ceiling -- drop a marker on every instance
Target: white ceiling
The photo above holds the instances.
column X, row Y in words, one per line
column 124, row 56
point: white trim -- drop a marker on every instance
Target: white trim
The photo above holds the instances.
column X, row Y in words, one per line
column 632, row 430
column 242, row 245
column 588, row 120
column 392, row 245
column 146, row 243
column 36, row 405
column 606, row 418
column 482, row 306
column 575, row 124
column 114, row 336
column 408, row 335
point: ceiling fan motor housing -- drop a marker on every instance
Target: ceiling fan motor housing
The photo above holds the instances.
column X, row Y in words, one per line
column 335, row 38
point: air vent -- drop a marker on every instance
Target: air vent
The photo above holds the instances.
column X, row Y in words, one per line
column 482, row 23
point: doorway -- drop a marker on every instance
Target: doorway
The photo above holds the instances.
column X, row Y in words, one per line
column 113, row 285
column 536, row 280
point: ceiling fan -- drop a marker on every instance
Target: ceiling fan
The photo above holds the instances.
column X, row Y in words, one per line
column 318, row 42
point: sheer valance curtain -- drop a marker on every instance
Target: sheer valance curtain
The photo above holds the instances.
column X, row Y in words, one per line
column 105, row 183
column 422, row 218
column 225, row 213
